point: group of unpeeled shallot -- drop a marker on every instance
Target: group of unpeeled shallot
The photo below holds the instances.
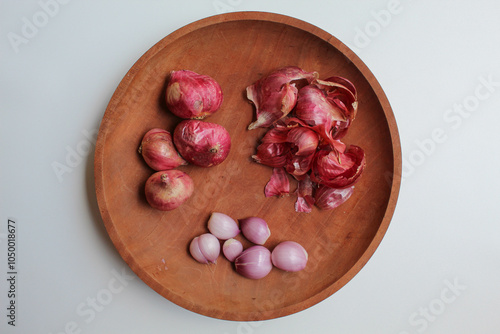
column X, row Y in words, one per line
column 307, row 118
column 190, row 96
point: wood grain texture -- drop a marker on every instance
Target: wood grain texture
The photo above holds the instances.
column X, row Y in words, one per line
column 237, row 49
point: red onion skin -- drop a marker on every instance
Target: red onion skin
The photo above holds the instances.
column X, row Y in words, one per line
column 254, row 262
column 316, row 110
column 274, row 95
column 329, row 105
column 289, row 256
column 305, row 199
column 327, row 198
column 190, row 95
column 290, row 145
column 202, row 143
column 341, row 92
column 278, row 185
column 304, row 141
column 298, row 166
column 167, row 190
column 158, row 150
column 272, row 154
column 338, row 169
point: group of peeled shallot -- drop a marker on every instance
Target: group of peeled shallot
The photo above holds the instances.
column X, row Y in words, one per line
column 254, row 262
column 307, row 118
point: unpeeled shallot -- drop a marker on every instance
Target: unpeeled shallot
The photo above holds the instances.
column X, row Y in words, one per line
column 167, row 190
column 158, row 150
column 202, row 143
column 192, row 95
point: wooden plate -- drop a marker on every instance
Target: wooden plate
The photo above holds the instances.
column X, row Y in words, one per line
column 237, row 49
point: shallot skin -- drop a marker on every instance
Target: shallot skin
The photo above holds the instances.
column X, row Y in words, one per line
column 329, row 198
column 202, row 143
column 167, row 190
column 158, row 150
column 338, row 169
column 190, row 95
column 275, row 95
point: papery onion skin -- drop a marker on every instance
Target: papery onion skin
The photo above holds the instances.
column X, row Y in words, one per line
column 255, row 229
column 305, row 199
column 339, row 89
column 304, row 140
column 274, row 95
column 205, row 248
column 272, row 154
column 289, row 256
column 254, row 262
column 278, row 185
column 314, row 107
column 190, row 95
column 222, row 226
column 338, row 169
column 298, row 166
column 167, row 190
column 290, row 144
column 232, row 248
column 202, row 143
column 158, row 150
column 327, row 198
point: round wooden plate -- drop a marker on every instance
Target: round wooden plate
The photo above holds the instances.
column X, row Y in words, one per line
column 237, row 49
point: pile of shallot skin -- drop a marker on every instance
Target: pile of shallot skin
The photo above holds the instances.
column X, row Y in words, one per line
column 307, row 118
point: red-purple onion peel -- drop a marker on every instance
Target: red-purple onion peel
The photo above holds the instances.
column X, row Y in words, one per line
column 222, row 226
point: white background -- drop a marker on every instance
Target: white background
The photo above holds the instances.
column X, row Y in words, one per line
column 437, row 269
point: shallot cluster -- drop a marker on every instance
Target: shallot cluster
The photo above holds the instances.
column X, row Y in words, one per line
column 306, row 119
column 254, row 262
column 190, row 96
